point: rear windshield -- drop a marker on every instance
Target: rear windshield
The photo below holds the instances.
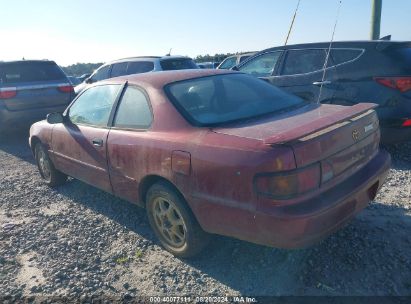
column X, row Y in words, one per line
column 18, row 72
column 220, row 99
column 177, row 64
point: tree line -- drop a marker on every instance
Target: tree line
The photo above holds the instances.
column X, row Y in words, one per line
column 79, row 69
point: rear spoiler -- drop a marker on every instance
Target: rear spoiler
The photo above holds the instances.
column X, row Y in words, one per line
column 325, row 122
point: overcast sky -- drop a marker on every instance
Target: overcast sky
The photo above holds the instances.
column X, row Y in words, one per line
column 98, row 31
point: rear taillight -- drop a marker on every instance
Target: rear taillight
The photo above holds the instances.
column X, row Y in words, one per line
column 66, row 88
column 403, row 84
column 6, row 93
column 288, row 184
column 406, row 123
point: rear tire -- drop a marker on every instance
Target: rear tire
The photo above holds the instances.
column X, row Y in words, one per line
column 173, row 222
column 48, row 172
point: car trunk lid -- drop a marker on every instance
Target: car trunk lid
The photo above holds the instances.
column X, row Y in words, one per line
column 336, row 136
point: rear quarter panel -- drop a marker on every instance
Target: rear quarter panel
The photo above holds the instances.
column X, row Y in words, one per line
column 223, row 196
column 356, row 84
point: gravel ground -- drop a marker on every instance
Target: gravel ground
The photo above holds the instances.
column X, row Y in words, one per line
column 76, row 241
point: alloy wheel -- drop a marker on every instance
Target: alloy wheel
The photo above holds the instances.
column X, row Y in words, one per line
column 169, row 222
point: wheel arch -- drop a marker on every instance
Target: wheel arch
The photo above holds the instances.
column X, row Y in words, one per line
column 150, row 180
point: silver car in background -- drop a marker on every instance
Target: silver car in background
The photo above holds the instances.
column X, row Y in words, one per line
column 137, row 65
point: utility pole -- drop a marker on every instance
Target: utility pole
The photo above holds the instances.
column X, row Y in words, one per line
column 376, row 19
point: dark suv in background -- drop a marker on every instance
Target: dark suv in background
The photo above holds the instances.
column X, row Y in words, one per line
column 357, row 71
column 137, row 65
column 29, row 90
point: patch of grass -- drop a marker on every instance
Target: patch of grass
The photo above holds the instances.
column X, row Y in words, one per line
column 125, row 259
column 138, row 254
column 122, row 260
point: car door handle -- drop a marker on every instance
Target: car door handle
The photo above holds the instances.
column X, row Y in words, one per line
column 319, row 83
column 97, row 142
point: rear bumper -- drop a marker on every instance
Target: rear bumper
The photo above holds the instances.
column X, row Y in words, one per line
column 301, row 225
column 25, row 117
column 395, row 135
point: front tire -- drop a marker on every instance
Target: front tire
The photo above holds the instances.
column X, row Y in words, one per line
column 50, row 175
column 173, row 222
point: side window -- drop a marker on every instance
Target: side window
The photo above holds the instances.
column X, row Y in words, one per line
column 133, row 110
column 229, row 63
column 177, row 64
column 262, row 65
column 340, row 56
column 119, row 69
column 243, row 58
column 101, row 74
column 93, row 107
column 304, row 61
column 136, row 67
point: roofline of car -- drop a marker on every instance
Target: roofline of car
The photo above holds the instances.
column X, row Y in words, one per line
column 26, row 60
column 335, row 43
column 147, row 57
column 139, row 79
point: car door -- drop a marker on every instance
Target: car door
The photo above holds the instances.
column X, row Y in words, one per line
column 79, row 144
column 302, row 74
column 128, row 141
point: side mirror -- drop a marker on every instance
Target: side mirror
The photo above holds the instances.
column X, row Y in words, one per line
column 55, row 118
column 234, row 68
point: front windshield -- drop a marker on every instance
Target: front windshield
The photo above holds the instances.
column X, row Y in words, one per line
column 225, row 98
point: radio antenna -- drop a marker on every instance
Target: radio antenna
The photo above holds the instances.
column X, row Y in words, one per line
column 292, row 22
column 328, row 53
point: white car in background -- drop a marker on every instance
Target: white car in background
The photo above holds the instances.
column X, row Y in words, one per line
column 137, row 65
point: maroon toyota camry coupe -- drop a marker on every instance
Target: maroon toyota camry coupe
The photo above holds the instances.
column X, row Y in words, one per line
column 217, row 152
